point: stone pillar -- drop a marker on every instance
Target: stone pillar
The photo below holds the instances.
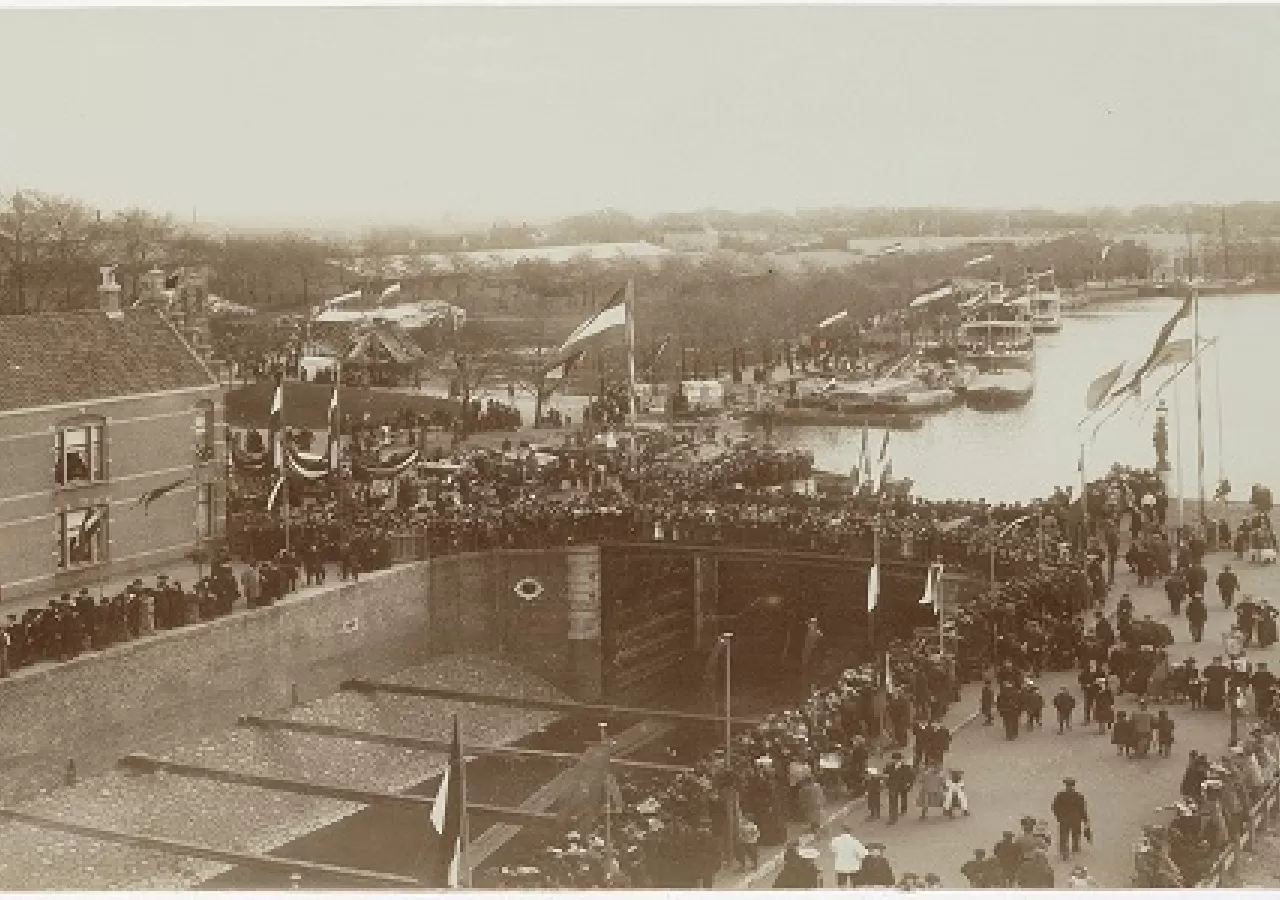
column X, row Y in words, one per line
column 582, row 579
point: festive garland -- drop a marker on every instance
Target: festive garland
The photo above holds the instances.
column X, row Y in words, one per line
column 392, row 468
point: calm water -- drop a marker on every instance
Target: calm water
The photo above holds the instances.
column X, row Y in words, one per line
column 1024, row 453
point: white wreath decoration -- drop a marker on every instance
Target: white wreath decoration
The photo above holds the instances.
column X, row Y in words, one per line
column 528, row 589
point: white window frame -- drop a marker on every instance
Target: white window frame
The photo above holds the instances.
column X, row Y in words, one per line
column 95, row 436
column 203, row 430
column 70, row 524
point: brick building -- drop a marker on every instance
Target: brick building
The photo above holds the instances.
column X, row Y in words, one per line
column 98, row 410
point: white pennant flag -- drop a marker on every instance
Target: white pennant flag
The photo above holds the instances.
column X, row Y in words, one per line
column 873, row 588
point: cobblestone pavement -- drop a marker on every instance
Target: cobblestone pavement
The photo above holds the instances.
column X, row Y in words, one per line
column 1007, row 779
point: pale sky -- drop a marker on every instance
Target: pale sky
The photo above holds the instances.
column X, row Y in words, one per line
column 402, row 115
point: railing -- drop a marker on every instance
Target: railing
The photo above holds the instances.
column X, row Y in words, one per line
column 1262, row 817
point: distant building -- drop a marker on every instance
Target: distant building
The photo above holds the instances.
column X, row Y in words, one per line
column 99, row 410
column 704, row 241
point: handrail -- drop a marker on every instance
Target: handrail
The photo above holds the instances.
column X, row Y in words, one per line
column 1223, row 866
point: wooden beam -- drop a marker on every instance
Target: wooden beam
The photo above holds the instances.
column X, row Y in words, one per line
column 546, row 796
column 213, row 854
column 562, row 706
column 141, row 762
column 439, row 746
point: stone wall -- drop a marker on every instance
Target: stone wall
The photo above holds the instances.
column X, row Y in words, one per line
column 151, row 693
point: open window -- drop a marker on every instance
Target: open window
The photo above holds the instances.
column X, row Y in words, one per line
column 78, row 453
column 82, row 536
column 203, row 431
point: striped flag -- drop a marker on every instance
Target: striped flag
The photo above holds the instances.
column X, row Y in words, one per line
column 1011, row 527
column 1174, row 353
column 1158, row 348
column 831, row 320
column 1100, row 386
column 448, row 817
column 275, row 424
column 274, row 496
column 335, row 428
column 602, row 329
column 941, row 292
column 873, row 588
column 146, row 498
column 932, row 595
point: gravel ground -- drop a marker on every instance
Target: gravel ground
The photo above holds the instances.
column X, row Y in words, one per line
column 252, row 819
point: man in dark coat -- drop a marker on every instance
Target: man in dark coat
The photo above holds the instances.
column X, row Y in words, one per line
column 899, row 776
column 1175, row 588
column 1228, row 584
column 1072, row 814
column 1197, row 615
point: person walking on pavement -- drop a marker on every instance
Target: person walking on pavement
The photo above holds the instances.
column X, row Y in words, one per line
column 1009, row 705
column 899, row 777
column 1175, row 588
column 1064, row 704
column 987, row 702
column 1008, row 856
column 1072, row 814
column 1197, row 616
column 1228, row 584
column 1164, row 733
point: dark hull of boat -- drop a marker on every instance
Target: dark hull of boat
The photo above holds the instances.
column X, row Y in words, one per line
column 892, row 421
column 996, row 399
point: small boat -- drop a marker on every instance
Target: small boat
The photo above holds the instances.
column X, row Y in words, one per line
column 810, row 413
column 997, row 333
column 1000, row 389
column 1046, row 303
column 891, row 395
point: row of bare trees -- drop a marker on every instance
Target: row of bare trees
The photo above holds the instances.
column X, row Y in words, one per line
column 51, row 248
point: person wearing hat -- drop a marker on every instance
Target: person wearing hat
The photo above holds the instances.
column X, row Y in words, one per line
column 876, row 870
column 873, row 784
column 1228, row 584
column 1215, row 677
column 1197, row 616
column 1072, row 814
column 799, row 869
column 1008, row 856
column 1080, row 880
column 899, row 776
column 981, row 871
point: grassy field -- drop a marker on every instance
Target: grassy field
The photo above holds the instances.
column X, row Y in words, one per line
column 306, row 405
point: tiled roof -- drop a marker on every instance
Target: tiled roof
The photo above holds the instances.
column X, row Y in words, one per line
column 48, row 358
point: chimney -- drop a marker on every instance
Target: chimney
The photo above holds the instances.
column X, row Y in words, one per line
column 109, row 292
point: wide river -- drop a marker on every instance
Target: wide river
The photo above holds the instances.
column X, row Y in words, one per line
column 1025, row 453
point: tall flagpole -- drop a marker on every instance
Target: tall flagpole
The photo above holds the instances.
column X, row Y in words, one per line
column 728, row 739
column 631, row 365
column 464, row 832
column 1195, row 314
column 1177, row 438
column 608, row 805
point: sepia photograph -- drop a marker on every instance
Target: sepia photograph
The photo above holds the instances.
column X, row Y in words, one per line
column 632, row 447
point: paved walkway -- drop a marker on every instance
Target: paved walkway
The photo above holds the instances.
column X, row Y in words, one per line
column 1008, row 779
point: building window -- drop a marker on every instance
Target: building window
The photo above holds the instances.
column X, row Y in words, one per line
column 82, row 536
column 78, row 453
column 203, row 431
column 204, row 510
